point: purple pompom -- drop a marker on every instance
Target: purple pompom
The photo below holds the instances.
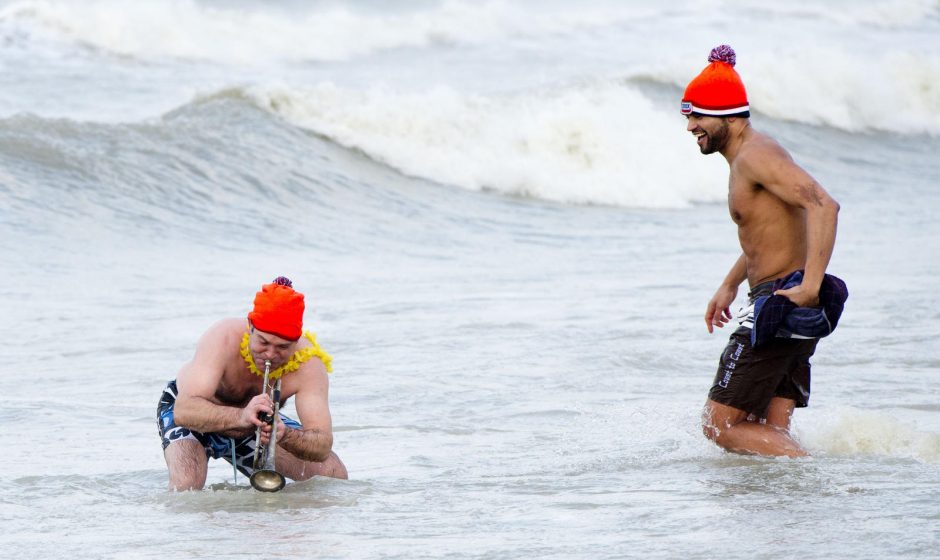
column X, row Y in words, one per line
column 722, row 53
column 283, row 281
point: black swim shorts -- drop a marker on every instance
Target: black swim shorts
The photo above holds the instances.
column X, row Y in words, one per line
column 216, row 445
column 749, row 378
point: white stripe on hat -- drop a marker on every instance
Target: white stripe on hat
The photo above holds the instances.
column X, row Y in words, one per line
column 691, row 108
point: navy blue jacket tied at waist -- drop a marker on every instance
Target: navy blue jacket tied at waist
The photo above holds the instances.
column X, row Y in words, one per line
column 777, row 316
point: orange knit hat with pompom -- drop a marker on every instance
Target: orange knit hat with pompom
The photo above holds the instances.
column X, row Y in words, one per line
column 718, row 90
column 279, row 309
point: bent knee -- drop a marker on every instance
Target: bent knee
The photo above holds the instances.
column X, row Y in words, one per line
column 719, row 435
column 710, row 428
column 335, row 468
column 330, row 467
column 187, row 465
column 718, row 419
column 711, row 431
column 185, row 485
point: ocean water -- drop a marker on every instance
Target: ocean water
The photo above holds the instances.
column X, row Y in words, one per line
column 507, row 240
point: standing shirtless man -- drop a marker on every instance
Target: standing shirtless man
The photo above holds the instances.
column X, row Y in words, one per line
column 211, row 409
column 786, row 221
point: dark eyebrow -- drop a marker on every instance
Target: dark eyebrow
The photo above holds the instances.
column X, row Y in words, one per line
column 266, row 341
column 263, row 339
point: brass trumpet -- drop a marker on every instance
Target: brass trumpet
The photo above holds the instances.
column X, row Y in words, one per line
column 265, row 478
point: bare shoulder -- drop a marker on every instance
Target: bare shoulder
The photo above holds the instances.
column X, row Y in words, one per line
column 310, row 378
column 214, row 349
column 313, row 371
column 314, row 363
column 222, row 333
column 760, row 154
column 766, row 164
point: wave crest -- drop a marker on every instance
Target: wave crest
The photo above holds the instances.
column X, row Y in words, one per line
column 596, row 144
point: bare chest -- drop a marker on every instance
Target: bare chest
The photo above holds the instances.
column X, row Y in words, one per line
column 239, row 385
column 237, row 388
column 751, row 205
column 741, row 199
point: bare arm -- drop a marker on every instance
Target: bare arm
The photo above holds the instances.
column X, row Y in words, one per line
column 315, row 441
column 718, row 312
column 198, row 381
column 775, row 171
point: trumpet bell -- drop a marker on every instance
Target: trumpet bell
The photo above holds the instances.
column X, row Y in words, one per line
column 267, row 481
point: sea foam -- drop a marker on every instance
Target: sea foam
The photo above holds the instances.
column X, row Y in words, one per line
column 848, row 431
column 867, row 66
column 236, row 34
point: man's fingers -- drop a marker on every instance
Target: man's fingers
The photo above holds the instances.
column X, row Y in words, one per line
column 256, row 408
column 716, row 315
column 256, row 419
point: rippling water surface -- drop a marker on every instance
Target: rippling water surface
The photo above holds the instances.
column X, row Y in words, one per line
column 510, row 271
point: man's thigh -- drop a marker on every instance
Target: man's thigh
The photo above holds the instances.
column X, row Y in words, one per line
column 779, row 412
column 187, row 463
column 295, row 468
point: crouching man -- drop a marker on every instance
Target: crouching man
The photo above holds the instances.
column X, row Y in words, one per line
column 212, row 408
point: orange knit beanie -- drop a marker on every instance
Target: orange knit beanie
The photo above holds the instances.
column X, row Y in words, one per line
column 279, row 309
column 718, row 90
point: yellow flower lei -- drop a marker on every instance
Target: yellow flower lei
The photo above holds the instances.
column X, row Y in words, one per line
column 295, row 361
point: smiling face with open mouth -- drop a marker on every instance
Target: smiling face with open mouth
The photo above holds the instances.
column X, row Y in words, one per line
column 711, row 133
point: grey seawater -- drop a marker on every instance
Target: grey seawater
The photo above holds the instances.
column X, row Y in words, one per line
column 514, row 379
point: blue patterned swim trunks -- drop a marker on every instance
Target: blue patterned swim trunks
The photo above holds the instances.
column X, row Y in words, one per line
column 217, row 446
